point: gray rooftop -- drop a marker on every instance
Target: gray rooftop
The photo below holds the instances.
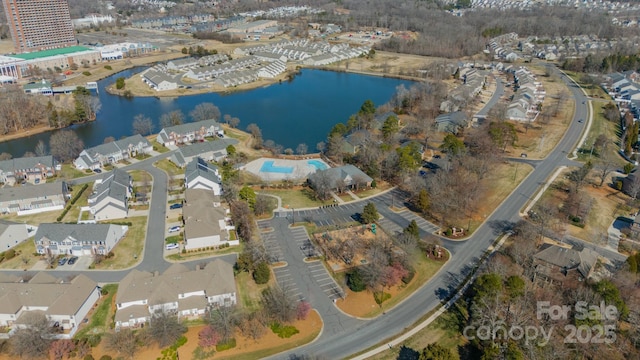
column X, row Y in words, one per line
column 26, row 163
column 27, row 191
column 114, row 184
column 80, row 232
column 200, row 168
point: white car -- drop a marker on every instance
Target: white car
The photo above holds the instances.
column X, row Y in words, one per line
column 174, row 229
column 172, row 246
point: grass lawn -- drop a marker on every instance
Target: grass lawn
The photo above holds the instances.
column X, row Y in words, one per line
column 70, row 172
column 34, row 219
column 168, row 167
column 174, row 239
column 204, row 254
column 296, row 197
column 140, row 175
column 99, row 322
column 591, row 90
column 345, row 197
column 442, row 331
column 249, row 292
column 499, row 183
column 601, row 125
column 74, row 212
column 129, row 247
column 24, row 258
column 159, row 147
column 380, row 187
column 425, row 269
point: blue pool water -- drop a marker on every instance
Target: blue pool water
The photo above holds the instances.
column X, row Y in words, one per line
column 268, row 166
column 319, row 165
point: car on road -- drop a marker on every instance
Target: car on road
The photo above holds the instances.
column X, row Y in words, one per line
column 97, row 171
column 523, row 155
column 580, row 121
column 72, row 260
column 175, row 206
column 174, row 229
column 172, row 246
column 62, row 261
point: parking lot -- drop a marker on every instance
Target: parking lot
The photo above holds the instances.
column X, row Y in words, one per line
column 286, row 282
column 323, row 280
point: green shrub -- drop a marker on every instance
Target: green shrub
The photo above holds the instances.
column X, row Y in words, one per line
column 381, row 297
column 10, row 254
column 373, row 184
column 87, row 73
column 108, row 67
column 355, row 281
column 283, row 331
column 262, row 273
column 627, row 168
column 229, row 344
column 93, row 340
column 106, row 357
column 88, row 357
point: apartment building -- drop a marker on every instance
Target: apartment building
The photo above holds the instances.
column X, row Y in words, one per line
column 39, row 24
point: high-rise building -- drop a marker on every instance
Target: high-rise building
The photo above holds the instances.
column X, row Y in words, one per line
column 39, row 24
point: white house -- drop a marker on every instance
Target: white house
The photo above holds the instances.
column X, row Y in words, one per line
column 64, row 302
column 201, row 175
column 178, row 290
column 208, row 151
column 112, row 152
column 159, row 81
column 205, row 221
column 111, row 195
column 78, row 239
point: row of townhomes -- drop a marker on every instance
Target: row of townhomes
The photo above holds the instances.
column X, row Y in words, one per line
column 206, row 222
column 251, row 63
column 78, row 239
column 64, row 302
column 528, row 96
column 624, row 88
column 32, row 199
column 34, row 170
column 111, row 194
column 112, row 152
column 189, row 132
column 215, row 150
column 180, row 291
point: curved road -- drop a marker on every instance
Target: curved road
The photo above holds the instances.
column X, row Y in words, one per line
column 343, row 335
column 364, row 334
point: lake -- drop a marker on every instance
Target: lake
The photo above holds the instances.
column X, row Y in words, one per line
column 300, row 111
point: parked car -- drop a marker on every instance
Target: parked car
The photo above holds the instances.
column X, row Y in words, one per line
column 97, row 171
column 175, row 206
column 172, row 246
column 523, row 155
column 62, row 261
column 72, row 260
column 174, row 229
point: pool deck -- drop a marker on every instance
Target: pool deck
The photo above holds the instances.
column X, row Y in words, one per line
column 301, row 168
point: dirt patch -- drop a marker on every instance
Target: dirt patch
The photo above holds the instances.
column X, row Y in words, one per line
column 363, row 304
column 346, row 248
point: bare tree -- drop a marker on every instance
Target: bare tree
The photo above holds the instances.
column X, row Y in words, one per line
column 32, row 340
column 224, row 319
column 205, row 111
column 165, row 328
column 605, row 165
column 256, row 134
column 633, row 187
column 171, row 119
column 142, row 125
column 65, row 145
column 279, row 304
column 41, row 148
column 123, row 342
column 302, row 149
column 234, row 122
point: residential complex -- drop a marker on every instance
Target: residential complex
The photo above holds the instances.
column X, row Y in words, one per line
column 110, row 197
column 34, row 170
column 78, row 239
column 39, row 24
column 178, row 291
column 112, row 152
column 30, row 199
column 205, row 220
column 189, row 132
column 64, row 302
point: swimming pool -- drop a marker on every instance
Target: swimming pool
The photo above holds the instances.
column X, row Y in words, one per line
column 268, row 166
column 319, row 165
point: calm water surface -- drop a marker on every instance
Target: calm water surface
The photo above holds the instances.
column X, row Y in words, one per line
column 290, row 113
